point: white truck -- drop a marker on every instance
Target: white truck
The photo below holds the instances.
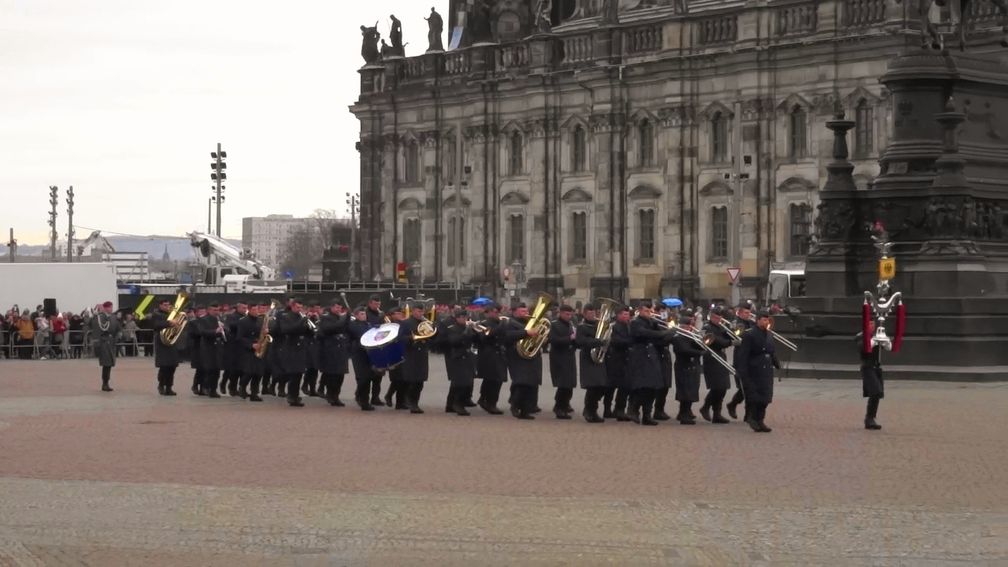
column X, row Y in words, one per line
column 74, row 286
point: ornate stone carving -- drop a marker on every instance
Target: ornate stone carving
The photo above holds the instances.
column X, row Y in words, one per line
column 834, row 221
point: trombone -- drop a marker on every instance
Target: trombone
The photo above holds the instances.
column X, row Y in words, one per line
column 779, row 338
column 700, row 340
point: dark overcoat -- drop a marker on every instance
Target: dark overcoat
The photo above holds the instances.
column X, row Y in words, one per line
column 165, row 356
column 105, row 332
column 192, row 338
column 645, row 368
column 312, row 351
column 358, row 354
column 246, row 336
column 491, row 362
column 745, row 325
column 333, row 343
column 872, row 385
column 460, row 362
column 231, row 358
column 212, row 344
column 617, row 356
column 593, row 375
column 415, row 365
column 292, row 346
column 665, row 357
column 562, row 355
column 523, row 371
column 687, row 369
column 757, row 360
column 715, row 375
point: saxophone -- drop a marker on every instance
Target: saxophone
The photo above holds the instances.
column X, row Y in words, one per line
column 264, row 337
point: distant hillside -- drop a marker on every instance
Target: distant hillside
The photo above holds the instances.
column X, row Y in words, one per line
column 154, row 246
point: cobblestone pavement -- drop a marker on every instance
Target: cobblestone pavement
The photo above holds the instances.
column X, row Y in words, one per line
column 133, row 478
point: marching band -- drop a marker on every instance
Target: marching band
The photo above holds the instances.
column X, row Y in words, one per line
column 627, row 361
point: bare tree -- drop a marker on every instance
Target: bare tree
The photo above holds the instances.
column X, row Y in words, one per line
column 307, row 245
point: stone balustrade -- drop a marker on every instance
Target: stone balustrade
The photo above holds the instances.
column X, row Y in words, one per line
column 864, row 12
column 722, row 29
column 797, row 18
column 643, row 39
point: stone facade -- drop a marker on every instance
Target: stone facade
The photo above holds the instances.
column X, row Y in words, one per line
column 634, row 155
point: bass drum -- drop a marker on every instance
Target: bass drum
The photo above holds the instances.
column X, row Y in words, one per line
column 383, row 347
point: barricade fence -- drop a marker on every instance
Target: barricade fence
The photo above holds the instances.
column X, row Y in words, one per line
column 71, row 344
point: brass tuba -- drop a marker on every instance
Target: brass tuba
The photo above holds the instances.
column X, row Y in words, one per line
column 607, row 313
column 529, row 347
column 169, row 336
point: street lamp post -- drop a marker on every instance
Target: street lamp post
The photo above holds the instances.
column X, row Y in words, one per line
column 70, row 228
column 218, row 176
column 352, row 203
column 54, row 201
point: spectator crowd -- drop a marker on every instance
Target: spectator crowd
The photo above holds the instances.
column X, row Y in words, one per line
column 32, row 334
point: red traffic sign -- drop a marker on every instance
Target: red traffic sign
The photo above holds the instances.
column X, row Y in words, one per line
column 734, row 273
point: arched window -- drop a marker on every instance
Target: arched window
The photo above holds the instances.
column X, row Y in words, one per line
column 515, row 165
column 719, row 138
column 411, row 240
column 864, row 129
column 646, row 235
column 578, row 148
column 515, row 238
column 579, row 237
column 411, row 167
column 719, row 233
column 800, row 223
column 456, row 241
column 645, row 132
column 448, row 151
column 796, row 133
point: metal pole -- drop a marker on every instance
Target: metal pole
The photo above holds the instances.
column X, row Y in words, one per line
column 219, row 176
column 70, row 229
column 12, row 247
column 209, row 201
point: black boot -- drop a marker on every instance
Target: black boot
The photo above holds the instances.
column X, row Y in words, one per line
column 685, row 414
column 869, row 421
column 458, row 403
column 592, row 416
column 646, row 417
column 705, row 412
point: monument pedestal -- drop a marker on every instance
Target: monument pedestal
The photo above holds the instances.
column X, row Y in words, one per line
column 943, row 196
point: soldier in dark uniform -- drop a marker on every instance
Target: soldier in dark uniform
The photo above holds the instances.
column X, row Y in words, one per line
column 617, row 360
column 491, row 361
column 667, row 369
column 192, row 346
column 397, row 387
column 645, row 367
column 715, row 375
column 457, row 340
column 232, row 350
column 375, row 318
column 872, row 386
column 687, row 370
column 105, row 332
column 415, row 366
column 563, row 368
column 743, row 322
column 292, row 354
column 593, row 375
column 526, row 373
column 363, row 372
column 166, row 357
column 757, row 360
column 333, row 351
column 310, row 383
column 213, row 336
column 247, row 340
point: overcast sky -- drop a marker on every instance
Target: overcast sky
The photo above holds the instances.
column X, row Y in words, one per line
column 125, row 100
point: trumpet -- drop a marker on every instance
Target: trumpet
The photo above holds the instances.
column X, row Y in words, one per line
column 478, row 327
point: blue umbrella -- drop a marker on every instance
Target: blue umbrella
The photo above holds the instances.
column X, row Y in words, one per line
column 672, row 302
column 482, row 301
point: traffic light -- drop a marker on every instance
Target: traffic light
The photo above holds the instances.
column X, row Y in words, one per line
column 401, row 272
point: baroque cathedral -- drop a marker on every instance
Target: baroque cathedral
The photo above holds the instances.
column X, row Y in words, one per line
column 629, row 149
